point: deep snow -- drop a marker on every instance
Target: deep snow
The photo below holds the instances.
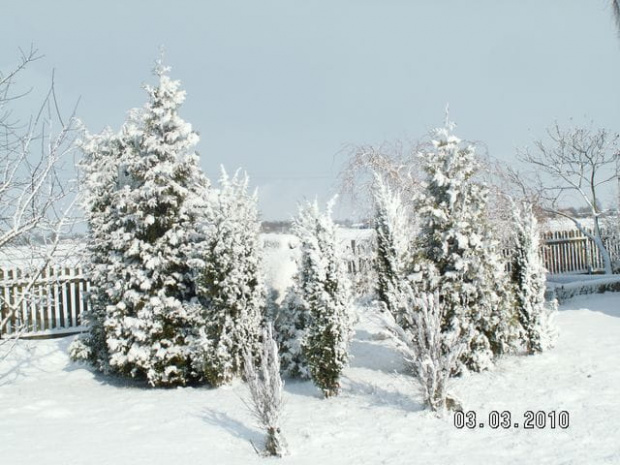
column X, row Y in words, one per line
column 57, row 412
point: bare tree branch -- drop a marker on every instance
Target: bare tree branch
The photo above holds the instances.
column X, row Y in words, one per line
column 574, row 161
column 34, row 195
column 396, row 163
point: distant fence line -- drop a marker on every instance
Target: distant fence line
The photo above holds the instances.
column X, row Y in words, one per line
column 57, row 298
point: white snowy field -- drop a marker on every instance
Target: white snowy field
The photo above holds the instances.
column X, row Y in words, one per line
column 53, row 411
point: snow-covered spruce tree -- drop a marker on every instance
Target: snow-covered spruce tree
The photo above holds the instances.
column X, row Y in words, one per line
column 325, row 297
column 394, row 244
column 155, row 244
column 528, row 277
column 457, row 242
column 231, row 282
column 266, row 387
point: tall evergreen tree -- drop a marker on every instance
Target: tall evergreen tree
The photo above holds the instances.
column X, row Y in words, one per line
column 231, row 282
column 394, row 244
column 324, row 296
column 528, row 277
column 155, row 243
column 457, row 243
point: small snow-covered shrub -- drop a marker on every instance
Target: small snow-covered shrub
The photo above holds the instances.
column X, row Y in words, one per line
column 266, row 387
column 567, row 291
column 432, row 352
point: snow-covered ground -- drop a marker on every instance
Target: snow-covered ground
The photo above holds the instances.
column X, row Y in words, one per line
column 67, row 253
column 53, row 411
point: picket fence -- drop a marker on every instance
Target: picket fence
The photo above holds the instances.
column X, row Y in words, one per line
column 562, row 252
column 50, row 304
column 572, row 252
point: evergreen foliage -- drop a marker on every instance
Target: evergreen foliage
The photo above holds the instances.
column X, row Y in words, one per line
column 103, row 154
column 393, row 248
column 324, row 295
column 290, row 321
column 460, row 254
column 231, row 282
column 153, row 232
column 528, row 277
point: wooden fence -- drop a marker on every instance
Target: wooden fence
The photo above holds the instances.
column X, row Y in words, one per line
column 572, row 252
column 562, row 251
column 359, row 256
column 52, row 303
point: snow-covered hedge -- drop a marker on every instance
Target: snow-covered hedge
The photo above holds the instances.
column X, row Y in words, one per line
column 567, row 290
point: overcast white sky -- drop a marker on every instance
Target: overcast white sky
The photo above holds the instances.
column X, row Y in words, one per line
column 279, row 87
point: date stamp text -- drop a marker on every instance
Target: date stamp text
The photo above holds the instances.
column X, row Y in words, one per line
column 530, row 419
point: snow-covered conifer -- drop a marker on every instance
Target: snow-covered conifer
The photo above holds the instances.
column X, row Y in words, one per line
column 99, row 190
column 231, row 282
column 394, row 243
column 456, row 240
column 155, row 240
column 528, row 277
column 290, row 321
column 266, row 388
column 324, row 294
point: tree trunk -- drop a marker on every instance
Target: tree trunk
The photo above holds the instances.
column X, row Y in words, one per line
column 596, row 238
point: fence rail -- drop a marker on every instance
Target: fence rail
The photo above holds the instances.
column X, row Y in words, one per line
column 53, row 302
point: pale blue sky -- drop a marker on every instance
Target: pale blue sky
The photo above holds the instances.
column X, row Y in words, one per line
column 279, row 87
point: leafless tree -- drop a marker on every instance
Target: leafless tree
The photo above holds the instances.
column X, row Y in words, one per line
column 35, row 198
column 395, row 162
column 574, row 162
